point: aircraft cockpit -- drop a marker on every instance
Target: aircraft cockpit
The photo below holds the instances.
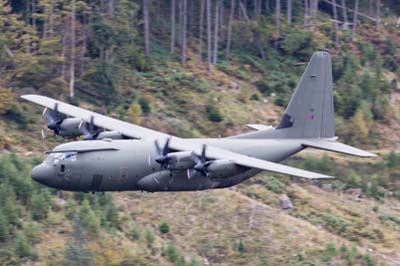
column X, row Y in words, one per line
column 57, row 157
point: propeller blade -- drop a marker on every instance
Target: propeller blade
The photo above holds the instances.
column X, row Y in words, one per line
column 92, row 127
column 162, row 153
column 47, row 116
column 158, row 148
column 195, row 158
column 203, row 153
column 201, row 163
column 166, row 147
column 44, row 133
column 83, row 128
column 89, row 131
column 56, row 113
column 190, row 173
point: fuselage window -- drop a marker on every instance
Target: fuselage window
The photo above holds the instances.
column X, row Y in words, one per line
column 62, row 168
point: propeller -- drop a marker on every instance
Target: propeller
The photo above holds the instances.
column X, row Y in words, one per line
column 201, row 163
column 162, row 157
column 90, row 131
column 53, row 120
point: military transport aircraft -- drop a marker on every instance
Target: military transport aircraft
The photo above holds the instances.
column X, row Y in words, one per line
column 118, row 156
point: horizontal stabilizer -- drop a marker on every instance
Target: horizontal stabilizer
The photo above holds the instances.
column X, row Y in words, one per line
column 259, row 126
column 336, row 147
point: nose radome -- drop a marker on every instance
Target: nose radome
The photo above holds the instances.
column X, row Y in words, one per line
column 41, row 173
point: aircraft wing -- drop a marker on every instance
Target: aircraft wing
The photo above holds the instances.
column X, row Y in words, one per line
column 243, row 160
column 102, row 121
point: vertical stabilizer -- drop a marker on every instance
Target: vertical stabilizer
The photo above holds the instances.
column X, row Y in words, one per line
column 310, row 111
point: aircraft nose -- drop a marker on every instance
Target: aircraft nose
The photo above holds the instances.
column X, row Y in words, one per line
column 41, row 173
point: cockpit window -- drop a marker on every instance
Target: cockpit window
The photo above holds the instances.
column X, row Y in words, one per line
column 56, row 157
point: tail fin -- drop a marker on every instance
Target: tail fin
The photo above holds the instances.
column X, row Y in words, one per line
column 310, row 111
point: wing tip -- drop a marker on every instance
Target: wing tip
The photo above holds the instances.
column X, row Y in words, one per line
column 29, row 96
column 370, row 154
column 319, row 176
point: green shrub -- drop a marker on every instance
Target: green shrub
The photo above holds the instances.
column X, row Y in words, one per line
column 274, row 184
column 41, row 202
column 4, row 227
column 149, row 237
column 329, row 252
column 194, row 261
column 299, row 42
column 213, row 114
column 164, row 228
column 32, row 231
column 264, row 87
column 255, row 97
column 134, row 113
column 112, row 215
column 88, row 219
column 76, row 253
column 171, row 253
column 201, row 85
column 369, row 260
column 239, row 246
column 21, row 245
column 145, row 105
column 134, row 232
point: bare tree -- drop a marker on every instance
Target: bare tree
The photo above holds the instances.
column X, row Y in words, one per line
column 173, row 11
column 289, row 11
column 180, row 21
column 72, row 53
column 184, row 26
column 229, row 34
column 209, row 35
column 266, row 6
column 335, row 18
column 63, row 50
column 306, row 12
column 243, row 9
column 370, row 7
column 201, row 28
column 51, row 19
column 353, row 33
column 216, row 31
column 277, row 15
column 111, row 8
column 313, row 7
column 146, row 27
column 346, row 21
column 378, row 14
column 33, row 7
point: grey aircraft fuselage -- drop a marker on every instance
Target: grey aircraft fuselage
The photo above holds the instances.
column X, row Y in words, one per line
column 124, row 165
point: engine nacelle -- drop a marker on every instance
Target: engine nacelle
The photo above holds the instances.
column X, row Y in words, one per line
column 154, row 181
column 69, row 128
column 180, row 160
column 223, row 169
column 110, row 135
